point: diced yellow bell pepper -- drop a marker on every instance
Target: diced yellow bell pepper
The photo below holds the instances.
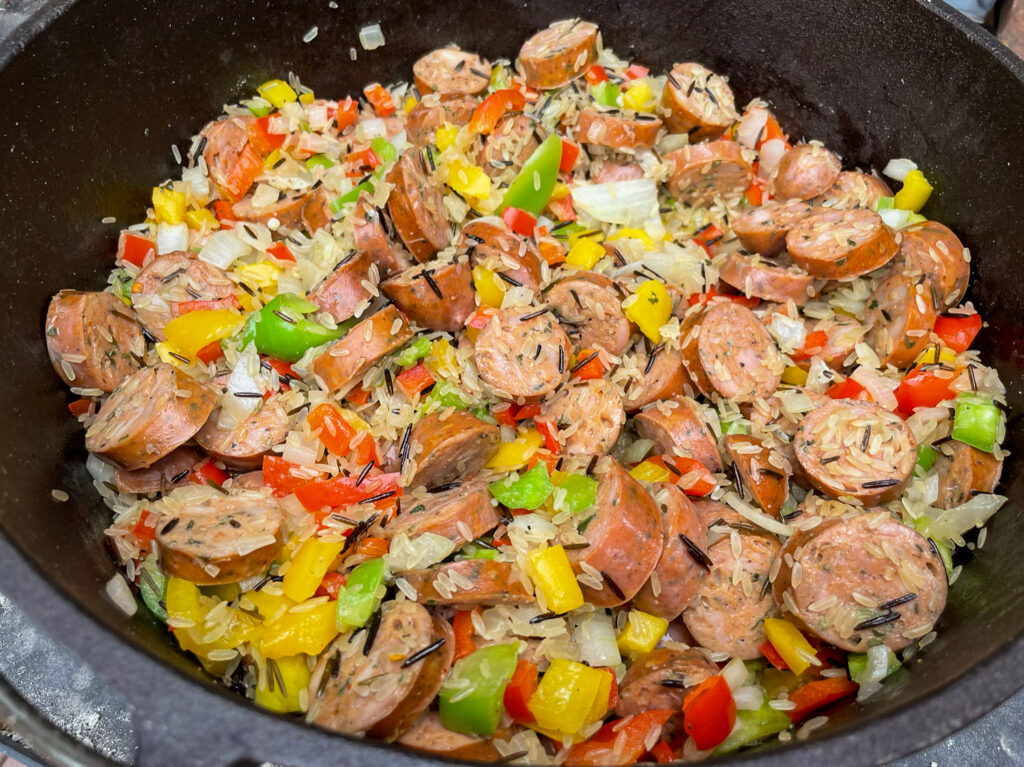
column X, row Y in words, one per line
column 353, row 420
column 309, row 565
column 277, row 92
column 441, row 360
column 794, row 376
column 445, row 136
column 168, row 206
column 634, row 234
column 638, row 95
column 198, row 219
column 645, row 471
column 262, row 275
column 190, row 332
column 512, row 455
column 650, row 309
column 946, row 356
column 596, row 235
column 489, row 286
column 182, row 601
column 641, row 633
column 789, row 643
column 570, row 697
column 560, row 191
column 410, row 104
column 295, row 674
column 468, row 180
column 270, row 606
column 585, row 253
column 915, row 192
column 308, row 631
column 307, row 98
column 272, row 159
column 552, row 573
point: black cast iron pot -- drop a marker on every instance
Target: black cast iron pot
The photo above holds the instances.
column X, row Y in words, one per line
column 91, row 105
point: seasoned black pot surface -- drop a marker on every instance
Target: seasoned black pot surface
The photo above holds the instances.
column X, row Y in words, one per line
column 93, row 104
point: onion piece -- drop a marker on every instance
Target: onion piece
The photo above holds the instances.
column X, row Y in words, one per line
column 898, row 168
column 750, row 126
column 756, row 516
column 371, row 37
column 735, row 673
column 769, row 156
column 198, row 182
column 952, row 523
column 375, row 127
column 417, row 553
column 632, row 203
column 594, row 635
column 748, row 698
column 121, row 595
column 672, row 142
column 791, row 334
column 222, row 249
column 877, row 385
column 895, row 218
column 171, row 238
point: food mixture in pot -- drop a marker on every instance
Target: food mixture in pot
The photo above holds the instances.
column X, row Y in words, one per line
column 559, row 410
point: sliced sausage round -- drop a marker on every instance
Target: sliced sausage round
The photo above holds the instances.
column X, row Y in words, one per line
column 433, row 111
column 591, row 305
column 148, row 416
column 360, row 685
column 287, row 210
column 344, row 288
column 172, row 279
column 854, row 580
column 450, row 513
column 853, row 189
column 372, row 236
column 435, row 295
column 493, row 245
column 609, row 171
column 963, row 471
column 901, row 313
column 705, row 172
column 317, row 213
column 169, row 472
column 225, row 141
column 699, row 102
column 449, row 448
column 523, row 353
column 467, row 583
column 763, row 229
column 766, row 482
column 689, row 334
column 642, row 688
column 727, row 615
column 358, row 350
column 674, row 581
column 841, row 244
column 625, row 537
column 805, row 171
column 678, row 427
column 416, row 206
column 510, row 145
column 617, row 131
column 429, row 734
column 559, row 54
column 243, row 445
column 93, row 339
column 216, row 538
column 451, row 70
column 776, row 280
column 857, row 449
column 741, row 360
column 588, row 415
column 933, row 250
column 662, row 377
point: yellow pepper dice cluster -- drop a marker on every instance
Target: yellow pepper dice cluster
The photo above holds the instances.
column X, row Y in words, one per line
column 552, row 573
column 469, row 180
column 641, row 633
column 186, row 604
column 569, row 698
column 794, row 376
column 295, row 674
column 638, row 96
column 445, row 136
column 302, row 629
column 201, row 219
column 168, row 206
column 277, row 92
column 789, row 643
column 645, row 471
column 915, row 192
column 585, row 253
column 634, row 234
column 514, row 455
column 189, row 333
column 489, row 286
column 649, row 308
column 309, row 566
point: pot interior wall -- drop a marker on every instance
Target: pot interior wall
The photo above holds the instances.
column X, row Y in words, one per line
column 93, row 105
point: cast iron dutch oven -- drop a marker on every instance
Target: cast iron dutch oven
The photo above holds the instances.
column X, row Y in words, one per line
column 92, row 104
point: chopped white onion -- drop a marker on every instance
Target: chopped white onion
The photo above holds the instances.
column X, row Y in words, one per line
column 417, row 553
column 735, row 673
column 100, row 470
column 264, row 196
column 898, row 168
column 121, row 595
column 951, row 523
column 198, row 182
column 677, row 264
column 748, row 698
column 637, row 451
column 672, row 142
column 895, row 218
column 223, row 249
column 756, row 516
column 371, row 37
column 791, row 334
column 171, row 237
column 632, row 203
column 878, row 386
column 245, row 378
column 750, row 127
column 876, row 670
column 769, row 156
column 594, row 635
column 375, row 127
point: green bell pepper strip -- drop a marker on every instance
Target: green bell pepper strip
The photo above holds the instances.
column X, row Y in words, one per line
column 753, row 726
column 287, row 339
column 358, row 599
column 528, row 492
column 446, row 395
column 926, row 455
column 484, row 414
column 580, row 492
column 606, row 93
column 416, row 350
column 384, row 150
column 473, row 551
column 153, row 588
column 351, row 196
column 320, row 160
column 858, row 665
column 976, row 422
column 499, row 79
column 487, row 673
column 532, row 188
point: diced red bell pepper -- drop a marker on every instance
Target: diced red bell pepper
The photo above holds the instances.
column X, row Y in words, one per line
column 379, row 99
column 373, row 547
column 663, row 753
column 628, row 736
column 562, row 208
column 489, row 111
column 958, row 332
column 570, row 153
column 331, row 585
column 80, row 406
column 589, row 371
column 186, row 307
column 505, row 413
column 133, row 248
column 551, row 250
column 519, row 221
column 365, row 449
column 143, row 532
column 462, row 628
column 548, row 430
column 480, row 317
column 755, row 193
column 520, row 687
column 210, row 353
column 634, row 71
column 347, row 113
column 813, row 344
column 819, row 693
column 343, row 491
column 261, row 139
column 922, row 388
column 613, row 692
column 358, row 396
column 525, row 412
column 772, row 656
column 542, row 455
column 772, row 130
column 413, row 380
column 709, row 712
column 360, row 163
column 704, row 298
column 333, row 430
column 595, row 74
column 207, row 472
column 278, row 476
column 694, row 477
column 281, row 252
column 224, row 211
column 241, row 177
column 848, row 389
column 707, row 237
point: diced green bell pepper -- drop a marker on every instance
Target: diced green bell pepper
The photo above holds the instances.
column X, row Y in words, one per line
column 287, row 339
column 319, row 160
column 976, row 421
column 414, row 351
column 926, row 455
column 580, row 492
column 384, row 150
column 258, row 108
column 351, row 196
column 944, row 550
column 739, row 426
column 532, row 188
column 858, row 664
column 153, row 588
column 487, row 673
column 446, row 395
column 606, row 93
column 528, row 492
column 753, row 726
column 358, row 599
column 884, row 203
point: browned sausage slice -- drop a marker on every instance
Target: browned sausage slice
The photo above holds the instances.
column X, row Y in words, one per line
column 342, row 291
column 662, row 377
column 510, row 145
column 435, row 295
column 372, row 236
column 147, row 416
column 430, row 735
column 741, row 360
column 689, row 334
column 768, row 484
column 244, row 445
column 559, row 54
column 451, row 70
column 625, row 538
column 964, row 472
column 416, row 207
column 805, row 171
column 678, row 427
column 468, row 583
column 777, row 280
column 902, row 313
column 609, row 171
column 853, row 189
column 618, row 131
column 287, row 210
column 169, row 472
column 358, row 350
column 522, row 352
column 706, row 172
column 699, row 102
column 846, row 573
column 642, row 688
column 591, row 304
column 93, row 339
column 461, row 514
column 763, row 229
column 341, row 697
column 857, row 449
column 433, row 111
column 492, row 245
column 588, row 415
column 678, row 573
column 447, row 448
column 216, row 538
column 317, row 213
column 728, row 613
column 841, row 244
column 933, row 250
column 225, row 141
column 172, row 279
